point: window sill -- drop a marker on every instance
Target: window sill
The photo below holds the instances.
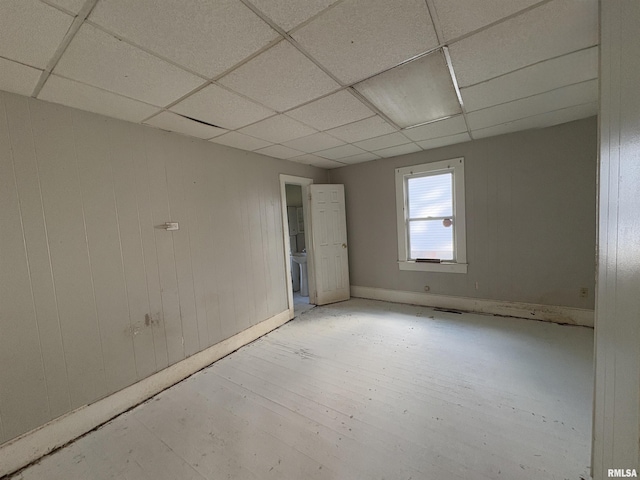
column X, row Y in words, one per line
column 433, row 267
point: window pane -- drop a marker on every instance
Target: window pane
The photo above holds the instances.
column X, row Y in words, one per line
column 430, row 196
column 431, row 239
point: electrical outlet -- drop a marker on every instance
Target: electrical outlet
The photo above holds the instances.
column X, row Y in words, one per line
column 584, row 292
column 427, row 288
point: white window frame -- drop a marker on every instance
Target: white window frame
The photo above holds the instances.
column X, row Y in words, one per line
column 456, row 167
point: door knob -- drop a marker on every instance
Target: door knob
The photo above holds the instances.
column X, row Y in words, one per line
column 344, row 245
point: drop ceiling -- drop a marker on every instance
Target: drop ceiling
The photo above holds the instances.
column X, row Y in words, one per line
column 321, row 82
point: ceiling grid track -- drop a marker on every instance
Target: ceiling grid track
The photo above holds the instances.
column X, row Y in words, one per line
column 457, row 89
column 531, row 65
column 223, row 63
column 373, row 107
column 573, row 84
column 144, row 49
column 290, row 39
column 350, row 86
column 536, row 115
column 73, row 29
column 498, row 22
column 433, row 13
column 302, row 50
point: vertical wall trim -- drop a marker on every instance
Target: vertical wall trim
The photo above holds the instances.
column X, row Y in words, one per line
column 616, row 421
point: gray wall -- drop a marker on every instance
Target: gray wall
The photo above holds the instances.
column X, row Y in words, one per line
column 93, row 297
column 530, row 202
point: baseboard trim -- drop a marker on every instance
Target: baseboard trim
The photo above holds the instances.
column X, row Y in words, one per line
column 29, row 447
column 548, row 313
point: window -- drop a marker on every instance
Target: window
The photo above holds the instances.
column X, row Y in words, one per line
column 430, row 209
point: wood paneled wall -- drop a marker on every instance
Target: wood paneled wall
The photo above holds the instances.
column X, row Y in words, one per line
column 93, row 295
column 616, row 421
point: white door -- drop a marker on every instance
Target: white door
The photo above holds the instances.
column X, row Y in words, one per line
column 330, row 253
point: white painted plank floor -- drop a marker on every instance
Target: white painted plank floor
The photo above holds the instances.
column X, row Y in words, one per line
column 362, row 390
column 301, row 304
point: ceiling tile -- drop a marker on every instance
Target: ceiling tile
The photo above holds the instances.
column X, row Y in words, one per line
column 571, row 114
column 459, row 17
column 307, row 159
column 328, row 164
column 361, row 157
column 384, row 141
column 314, row 143
column 540, row 121
column 340, row 152
column 18, row 78
column 363, row 129
column 278, row 129
column 332, row 111
column 359, row 38
column 288, row 14
column 553, row 29
column 541, row 77
column 176, row 123
column 444, row 141
column 241, row 141
column 70, row 5
column 440, row 128
column 416, row 92
column 280, row 78
column 399, row 150
column 85, row 97
column 31, row 31
column 99, row 59
column 206, row 37
column 279, row 151
column 316, row 161
column 578, row 94
column 216, row 105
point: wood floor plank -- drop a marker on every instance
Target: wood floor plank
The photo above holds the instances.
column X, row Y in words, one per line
column 363, row 390
column 409, row 424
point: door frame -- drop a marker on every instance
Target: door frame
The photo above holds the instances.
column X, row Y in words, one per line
column 304, row 183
